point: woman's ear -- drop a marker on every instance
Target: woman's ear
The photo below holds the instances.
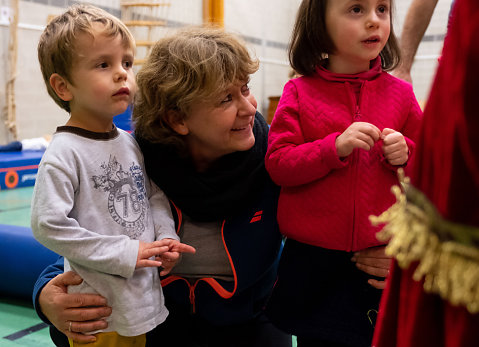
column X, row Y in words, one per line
column 61, row 87
column 176, row 122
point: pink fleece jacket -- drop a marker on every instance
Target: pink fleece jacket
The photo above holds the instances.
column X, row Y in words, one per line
column 326, row 201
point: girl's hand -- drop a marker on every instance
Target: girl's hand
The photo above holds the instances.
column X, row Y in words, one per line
column 395, row 147
column 357, row 135
column 73, row 314
column 375, row 262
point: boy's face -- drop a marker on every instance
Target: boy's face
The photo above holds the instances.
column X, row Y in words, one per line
column 103, row 83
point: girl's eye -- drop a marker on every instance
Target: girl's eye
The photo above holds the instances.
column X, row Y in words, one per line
column 127, row 64
column 383, row 9
column 103, row 65
column 245, row 89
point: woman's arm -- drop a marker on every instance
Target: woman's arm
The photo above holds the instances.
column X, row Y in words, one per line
column 55, row 306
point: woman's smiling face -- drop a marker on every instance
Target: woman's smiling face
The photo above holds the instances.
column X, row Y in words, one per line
column 222, row 126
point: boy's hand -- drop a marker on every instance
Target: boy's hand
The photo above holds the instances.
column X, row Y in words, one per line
column 148, row 250
column 172, row 255
column 395, row 147
column 357, row 135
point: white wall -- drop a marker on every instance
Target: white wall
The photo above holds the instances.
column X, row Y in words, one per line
column 265, row 24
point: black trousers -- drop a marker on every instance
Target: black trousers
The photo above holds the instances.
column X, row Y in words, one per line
column 322, row 298
column 185, row 330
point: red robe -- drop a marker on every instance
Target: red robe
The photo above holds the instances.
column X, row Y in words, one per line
column 447, row 172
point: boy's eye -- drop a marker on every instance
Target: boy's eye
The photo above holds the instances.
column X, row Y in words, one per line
column 356, row 9
column 127, row 64
column 103, row 65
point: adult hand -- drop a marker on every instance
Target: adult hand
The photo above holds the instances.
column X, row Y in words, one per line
column 375, row 262
column 73, row 314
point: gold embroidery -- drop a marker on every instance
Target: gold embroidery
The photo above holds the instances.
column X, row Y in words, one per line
column 447, row 252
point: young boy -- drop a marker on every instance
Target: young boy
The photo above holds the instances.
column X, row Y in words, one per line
column 92, row 201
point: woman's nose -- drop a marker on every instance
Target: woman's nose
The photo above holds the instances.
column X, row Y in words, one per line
column 248, row 106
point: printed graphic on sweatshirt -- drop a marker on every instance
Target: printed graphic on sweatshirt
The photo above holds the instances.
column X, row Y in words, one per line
column 126, row 195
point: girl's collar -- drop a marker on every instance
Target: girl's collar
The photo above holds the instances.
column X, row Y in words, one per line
column 369, row 75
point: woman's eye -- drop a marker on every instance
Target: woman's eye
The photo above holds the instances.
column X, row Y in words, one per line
column 228, row 98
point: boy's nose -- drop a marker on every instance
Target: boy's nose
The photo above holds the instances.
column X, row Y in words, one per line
column 120, row 73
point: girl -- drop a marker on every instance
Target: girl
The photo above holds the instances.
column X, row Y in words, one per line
column 338, row 136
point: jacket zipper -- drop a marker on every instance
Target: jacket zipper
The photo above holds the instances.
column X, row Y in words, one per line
column 192, row 297
column 356, row 117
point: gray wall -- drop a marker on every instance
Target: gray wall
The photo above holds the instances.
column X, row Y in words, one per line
column 265, row 24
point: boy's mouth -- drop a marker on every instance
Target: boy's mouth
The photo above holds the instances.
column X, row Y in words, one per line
column 122, row 91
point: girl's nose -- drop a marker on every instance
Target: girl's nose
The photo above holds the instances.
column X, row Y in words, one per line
column 372, row 20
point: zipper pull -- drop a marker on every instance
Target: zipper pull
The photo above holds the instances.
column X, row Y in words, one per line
column 192, row 299
column 357, row 114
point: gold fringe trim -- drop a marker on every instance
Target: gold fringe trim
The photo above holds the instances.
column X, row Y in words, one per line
column 447, row 252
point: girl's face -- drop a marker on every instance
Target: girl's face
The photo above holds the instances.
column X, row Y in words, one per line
column 222, row 126
column 359, row 30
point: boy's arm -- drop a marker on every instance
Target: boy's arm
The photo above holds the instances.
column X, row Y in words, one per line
column 54, row 227
column 290, row 160
column 161, row 213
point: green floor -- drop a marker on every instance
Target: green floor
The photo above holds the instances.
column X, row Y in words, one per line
column 19, row 324
column 15, row 206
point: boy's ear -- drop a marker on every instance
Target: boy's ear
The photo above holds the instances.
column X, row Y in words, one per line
column 60, row 86
column 177, row 122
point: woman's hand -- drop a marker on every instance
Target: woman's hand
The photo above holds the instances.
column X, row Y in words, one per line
column 373, row 261
column 73, row 314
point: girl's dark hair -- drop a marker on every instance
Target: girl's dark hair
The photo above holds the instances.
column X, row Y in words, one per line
column 310, row 41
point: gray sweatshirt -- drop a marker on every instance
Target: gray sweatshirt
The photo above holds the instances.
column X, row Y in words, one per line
column 92, row 203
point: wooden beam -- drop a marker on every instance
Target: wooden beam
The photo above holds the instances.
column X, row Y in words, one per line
column 213, row 12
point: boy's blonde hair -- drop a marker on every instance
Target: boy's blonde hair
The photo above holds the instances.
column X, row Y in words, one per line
column 193, row 65
column 56, row 49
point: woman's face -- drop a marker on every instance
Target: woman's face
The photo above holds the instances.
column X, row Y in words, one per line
column 222, row 126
